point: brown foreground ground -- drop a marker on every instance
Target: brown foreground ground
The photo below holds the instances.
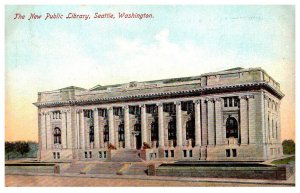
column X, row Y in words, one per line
column 57, row 181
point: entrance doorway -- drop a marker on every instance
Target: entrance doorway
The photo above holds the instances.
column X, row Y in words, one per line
column 138, row 136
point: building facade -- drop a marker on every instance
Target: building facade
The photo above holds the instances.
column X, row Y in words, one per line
column 228, row 115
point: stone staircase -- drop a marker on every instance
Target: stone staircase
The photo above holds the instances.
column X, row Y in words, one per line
column 105, row 168
column 126, row 156
column 136, row 169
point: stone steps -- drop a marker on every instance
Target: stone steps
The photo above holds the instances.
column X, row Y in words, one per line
column 137, row 169
column 105, row 168
column 126, row 156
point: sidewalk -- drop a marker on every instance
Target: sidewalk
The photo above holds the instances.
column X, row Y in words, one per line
column 289, row 182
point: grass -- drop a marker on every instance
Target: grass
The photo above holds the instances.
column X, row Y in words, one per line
column 287, row 160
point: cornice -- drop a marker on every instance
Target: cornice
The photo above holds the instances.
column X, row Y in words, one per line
column 198, row 91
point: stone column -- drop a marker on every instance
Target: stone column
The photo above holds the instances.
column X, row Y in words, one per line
column 219, row 120
column 204, row 122
column 82, row 130
column 271, row 126
column 265, row 113
column 87, row 133
column 244, row 120
column 178, row 124
column 111, row 126
column 198, row 140
column 63, row 129
column 96, row 128
column 278, row 124
column 69, row 129
column 49, row 131
column 127, row 127
column 211, row 122
column 144, row 124
column 78, row 129
column 161, row 124
column 252, row 119
column 264, row 117
column 43, row 131
column 101, row 130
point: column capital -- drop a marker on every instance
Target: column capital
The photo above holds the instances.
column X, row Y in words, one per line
column 266, row 97
column 250, row 96
column 79, row 110
column 142, row 105
column 217, row 99
column 125, row 106
column 209, row 99
column 65, row 110
column 95, row 109
column 197, row 101
column 160, row 104
column 243, row 97
column 177, row 103
column 110, row 108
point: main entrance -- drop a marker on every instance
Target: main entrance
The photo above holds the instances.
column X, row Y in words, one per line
column 138, row 136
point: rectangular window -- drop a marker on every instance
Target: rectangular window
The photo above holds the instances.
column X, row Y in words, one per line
column 172, row 153
column 234, row 153
column 104, row 154
column 225, row 102
column 100, row 154
column 90, row 154
column 236, row 102
column 58, row 155
column 227, row 152
column 230, row 102
column 184, row 153
column 85, row 154
column 191, row 153
column 54, row 155
column 166, row 153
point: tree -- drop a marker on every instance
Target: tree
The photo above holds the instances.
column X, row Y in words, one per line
column 288, row 146
column 9, row 147
column 22, row 147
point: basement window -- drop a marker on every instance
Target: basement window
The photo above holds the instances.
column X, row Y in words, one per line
column 233, row 152
column 191, row 153
column 227, row 152
column 184, row 153
column 166, row 153
column 172, row 153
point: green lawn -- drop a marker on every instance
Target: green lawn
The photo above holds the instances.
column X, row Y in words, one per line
column 287, row 160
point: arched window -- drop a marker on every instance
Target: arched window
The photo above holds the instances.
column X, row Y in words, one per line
column 154, row 131
column 91, row 134
column 121, row 132
column 57, row 135
column 172, row 130
column 106, row 133
column 190, row 129
column 231, row 128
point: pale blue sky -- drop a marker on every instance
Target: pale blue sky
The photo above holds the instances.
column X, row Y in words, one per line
column 179, row 41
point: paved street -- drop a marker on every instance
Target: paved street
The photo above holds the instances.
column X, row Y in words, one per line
column 54, row 181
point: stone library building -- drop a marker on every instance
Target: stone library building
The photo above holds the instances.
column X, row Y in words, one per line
column 231, row 115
